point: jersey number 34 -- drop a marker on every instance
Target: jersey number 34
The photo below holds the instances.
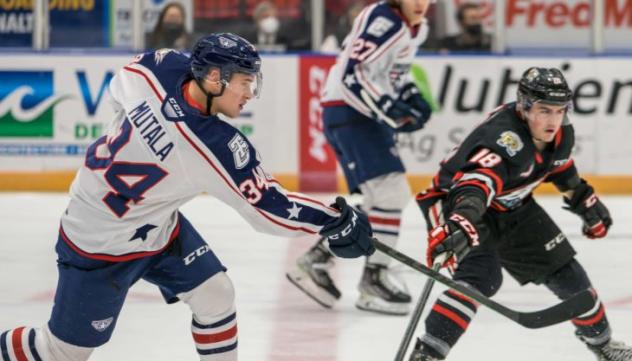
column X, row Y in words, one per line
column 146, row 175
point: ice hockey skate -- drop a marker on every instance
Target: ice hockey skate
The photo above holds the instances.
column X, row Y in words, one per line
column 420, row 353
column 379, row 294
column 609, row 351
column 311, row 275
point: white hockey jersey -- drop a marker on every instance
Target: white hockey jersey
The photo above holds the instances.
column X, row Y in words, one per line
column 376, row 58
column 158, row 154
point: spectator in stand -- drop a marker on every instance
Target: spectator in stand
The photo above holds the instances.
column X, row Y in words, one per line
column 266, row 34
column 471, row 38
column 170, row 31
column 341, row 27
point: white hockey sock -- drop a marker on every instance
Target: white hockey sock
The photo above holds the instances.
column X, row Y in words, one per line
column 216, row 340
column 385, row 224
column 36, row 344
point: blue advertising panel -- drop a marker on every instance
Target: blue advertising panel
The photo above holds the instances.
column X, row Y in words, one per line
column 78, row 23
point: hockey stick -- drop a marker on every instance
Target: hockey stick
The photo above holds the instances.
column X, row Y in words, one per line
column 419, row 309
column 575, row 306
column 371, row 103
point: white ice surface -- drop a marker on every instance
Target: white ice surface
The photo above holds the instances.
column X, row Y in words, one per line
column 276, row 322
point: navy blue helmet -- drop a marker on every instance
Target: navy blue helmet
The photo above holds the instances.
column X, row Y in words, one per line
column 229, row 53
column 546, row 85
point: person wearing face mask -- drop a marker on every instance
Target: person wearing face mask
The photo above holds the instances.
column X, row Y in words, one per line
column 170, row 31
column 266, row 34
column 471, row 38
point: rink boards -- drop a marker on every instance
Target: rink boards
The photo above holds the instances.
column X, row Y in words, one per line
column 53, row 105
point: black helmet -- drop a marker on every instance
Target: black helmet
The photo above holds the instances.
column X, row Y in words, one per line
column 546, row 85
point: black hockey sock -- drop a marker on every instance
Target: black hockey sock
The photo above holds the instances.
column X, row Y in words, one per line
column 593, row 326
column 448, row 320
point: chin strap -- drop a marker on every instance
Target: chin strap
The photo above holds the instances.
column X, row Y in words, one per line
column 209, row 95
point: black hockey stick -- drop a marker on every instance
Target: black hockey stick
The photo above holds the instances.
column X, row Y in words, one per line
column 575, row 306
column 419, row 309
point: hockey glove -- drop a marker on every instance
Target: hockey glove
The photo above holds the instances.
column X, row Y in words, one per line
column 397, row 113
column 595, row 215
column 455, row 239
column 349, row 235
column 411, row 96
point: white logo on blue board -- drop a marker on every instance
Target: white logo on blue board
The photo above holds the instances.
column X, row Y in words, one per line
column 241, row 151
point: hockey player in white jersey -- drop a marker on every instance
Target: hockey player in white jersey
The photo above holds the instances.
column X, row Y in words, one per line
column 369, row 97
column 165, row 146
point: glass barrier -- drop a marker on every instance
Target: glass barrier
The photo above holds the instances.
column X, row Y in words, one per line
column 460, row 27
column 273, row 26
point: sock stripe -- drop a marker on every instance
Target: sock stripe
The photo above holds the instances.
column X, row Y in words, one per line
column 456, row 295
column 216, row 337
column 219, row 323
column 4, row 350
column 591, row 320
column 34, row 352
column 16, row 339
column 218, row 350
column 457, row 306
column 451, row 316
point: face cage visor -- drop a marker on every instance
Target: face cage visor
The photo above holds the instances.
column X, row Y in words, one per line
column 254, row 87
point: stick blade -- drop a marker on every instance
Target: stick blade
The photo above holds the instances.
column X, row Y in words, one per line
column 573, row 307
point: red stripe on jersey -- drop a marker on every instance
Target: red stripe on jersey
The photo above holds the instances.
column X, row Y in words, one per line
column 16, row 340
column 538, row 157
column 593, row 320
column 210, row 162
column 494, row 176
column 563, row 167
column 558, row 137
column 435, row 214
column 386, row 221
column 428, row 194
column 151, row 84
column 121, row 258
column 451, row 315
column 216, row 337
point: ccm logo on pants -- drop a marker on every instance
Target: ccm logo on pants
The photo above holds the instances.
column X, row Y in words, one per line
column 195, row 254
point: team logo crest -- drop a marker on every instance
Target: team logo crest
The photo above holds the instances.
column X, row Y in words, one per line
column 510, row 141
column 241, row 151
column 102, row 325
column 226, row 42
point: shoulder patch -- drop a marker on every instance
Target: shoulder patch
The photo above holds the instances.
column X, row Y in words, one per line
column 511, row 142
column 241, row 151
column 160, row 54
column 379, row 26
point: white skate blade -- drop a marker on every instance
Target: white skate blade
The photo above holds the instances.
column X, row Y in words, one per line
column 372, row 303
column 303, row 282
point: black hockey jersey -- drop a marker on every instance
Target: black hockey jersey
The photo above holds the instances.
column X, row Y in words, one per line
column 500, row 158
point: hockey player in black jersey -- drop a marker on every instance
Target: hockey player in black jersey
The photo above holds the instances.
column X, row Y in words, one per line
column 481, row 211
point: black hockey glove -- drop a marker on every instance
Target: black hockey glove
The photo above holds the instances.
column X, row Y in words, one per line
column 350, row 235
column 398, row 112
column 411, row 96
column 454, row 239
column 595, row 215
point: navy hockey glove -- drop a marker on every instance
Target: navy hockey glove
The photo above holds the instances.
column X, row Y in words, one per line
column 454, row 239
column 411, row 96
column 350, row 235
column 595, row 215
column 399, row 113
